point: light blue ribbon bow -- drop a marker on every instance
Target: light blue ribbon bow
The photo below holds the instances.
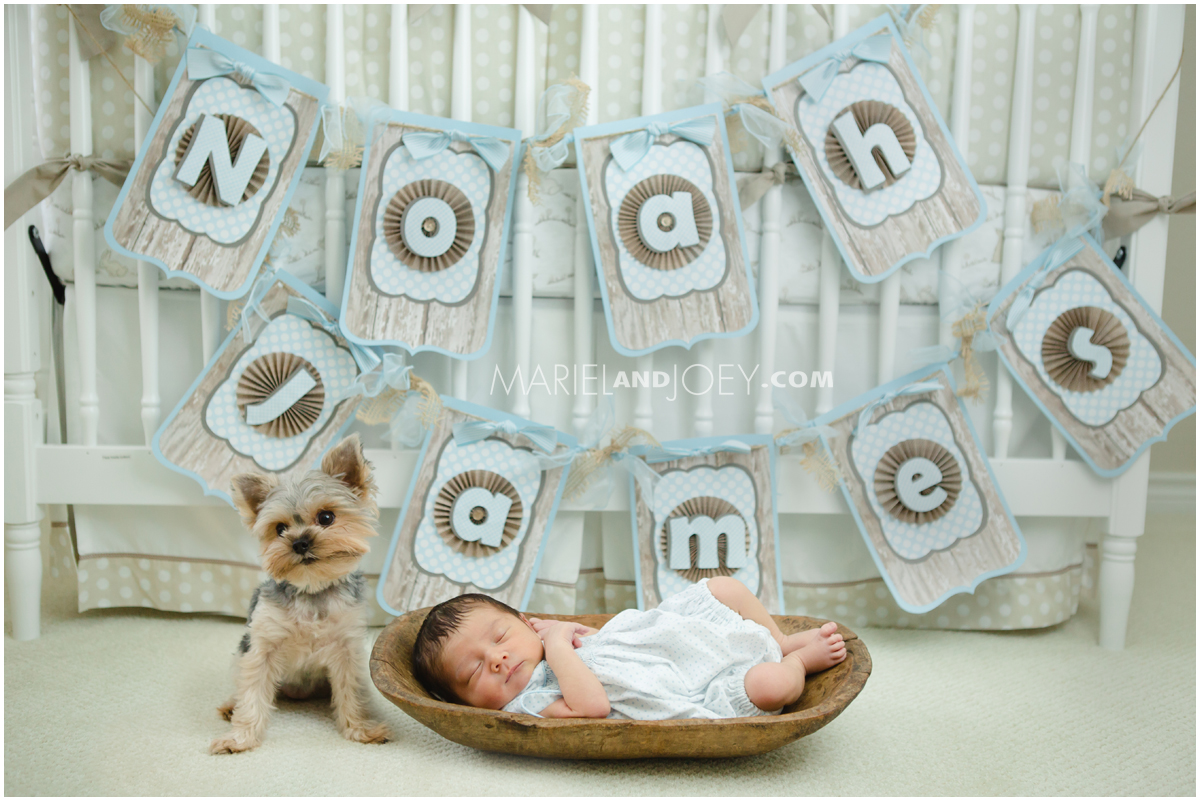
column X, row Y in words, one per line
column 817, row 80
column 262, row 285
column 203, row 63
column 804, row 430
column 468, row 431
column 631, row 148
column 919, row 388
column 366, row 358
column 423, row 144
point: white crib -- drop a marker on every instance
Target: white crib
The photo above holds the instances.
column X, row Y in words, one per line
column 38, row 474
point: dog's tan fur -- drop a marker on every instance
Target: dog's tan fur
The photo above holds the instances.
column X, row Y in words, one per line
column 307, row 625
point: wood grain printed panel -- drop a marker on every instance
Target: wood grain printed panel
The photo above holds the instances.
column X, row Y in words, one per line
column 188, row 442
column 639, row 325
column 372, row 315
column 407, row 586
column 223, row 267
column 1111, row 445
column 872, row 250
column 994, row 546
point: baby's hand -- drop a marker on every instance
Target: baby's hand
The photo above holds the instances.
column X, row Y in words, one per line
column 550, row 630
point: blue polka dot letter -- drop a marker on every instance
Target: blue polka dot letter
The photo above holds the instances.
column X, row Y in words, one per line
column 214, row 174
column 922, row 490
column 1092, row 354
column 874, row 152
column 435, row 200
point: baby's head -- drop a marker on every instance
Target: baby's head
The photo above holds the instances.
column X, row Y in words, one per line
column 477, row 651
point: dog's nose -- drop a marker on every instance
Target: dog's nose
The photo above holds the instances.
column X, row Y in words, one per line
column 301, row 546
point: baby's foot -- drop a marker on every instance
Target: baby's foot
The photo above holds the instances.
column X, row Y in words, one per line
column 824, row 649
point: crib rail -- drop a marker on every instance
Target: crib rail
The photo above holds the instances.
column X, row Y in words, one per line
column 83, row 472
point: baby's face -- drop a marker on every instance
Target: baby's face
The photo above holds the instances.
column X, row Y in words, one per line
column 489, row 660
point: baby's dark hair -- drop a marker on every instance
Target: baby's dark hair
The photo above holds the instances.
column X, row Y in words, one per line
column 442, row 621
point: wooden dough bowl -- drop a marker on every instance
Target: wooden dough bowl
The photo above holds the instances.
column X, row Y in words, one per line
column 825, row 696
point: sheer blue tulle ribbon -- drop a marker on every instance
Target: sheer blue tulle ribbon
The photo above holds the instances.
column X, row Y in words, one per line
column 804, row 430
column 817, row 80
column 1082, row 212
column 203, row 63
column 919, row 388
column 631, row 148
column 554, row 107
column 334, row 128
column 959, row 300
column 732, row 92
column 423, row 144
column 468, row 431
column 253, row 306
column 366, row 358
column 656, row 454
column 393, row 374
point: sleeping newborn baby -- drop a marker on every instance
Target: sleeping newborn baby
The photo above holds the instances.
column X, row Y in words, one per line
column 712, row 651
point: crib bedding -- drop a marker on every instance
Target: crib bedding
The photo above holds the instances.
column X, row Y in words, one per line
column 554, row 243
column 618, row 95
column 199, row 558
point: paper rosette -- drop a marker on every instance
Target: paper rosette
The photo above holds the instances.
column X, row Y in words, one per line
column 1074, row 374
column 443, row 510
column 393, row 224
column 236, row 131
column 867, row 113
column 268, row 373
column 627, row 222
column 694, row 507
column 885, row 479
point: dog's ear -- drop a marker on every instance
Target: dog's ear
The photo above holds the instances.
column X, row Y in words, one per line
column 249, row 492
column 346, row 463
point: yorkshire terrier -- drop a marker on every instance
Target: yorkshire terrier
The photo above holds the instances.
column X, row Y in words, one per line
column 307, row 623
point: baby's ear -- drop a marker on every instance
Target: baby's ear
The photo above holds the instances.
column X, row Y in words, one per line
column 346, row 463
column 249, row 492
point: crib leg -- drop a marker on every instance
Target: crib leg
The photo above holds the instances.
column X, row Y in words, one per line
column 1116, row 589
column 23, row 577
column 1126, row 522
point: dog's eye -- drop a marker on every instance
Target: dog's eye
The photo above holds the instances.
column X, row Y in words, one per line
column 280, row 528
column 325, row 517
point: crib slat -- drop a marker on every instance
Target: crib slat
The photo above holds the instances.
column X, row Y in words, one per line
column 1156, row 50
column 830, row 275
column 1081, row 138
column 705, row 353
column 143, row 81
column 1014, row 207
column 960, row 129
column 768, row 252
column 589, row 73
column 210, row 306
column 398, row 58
column 643, row 410
column 335, row 180
column 460, row 109
column 522, row 279
column 82, row 229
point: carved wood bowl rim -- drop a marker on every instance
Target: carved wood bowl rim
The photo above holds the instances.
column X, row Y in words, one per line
column 826, row 695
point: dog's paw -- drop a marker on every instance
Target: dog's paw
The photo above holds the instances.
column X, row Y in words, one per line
column 225, row 710
column 230, row 745
column 368, row 732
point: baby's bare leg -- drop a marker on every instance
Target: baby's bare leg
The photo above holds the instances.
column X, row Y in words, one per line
column 737, row 596
column 773, row 685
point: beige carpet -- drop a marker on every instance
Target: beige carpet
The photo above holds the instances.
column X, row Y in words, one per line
column 124, row 702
